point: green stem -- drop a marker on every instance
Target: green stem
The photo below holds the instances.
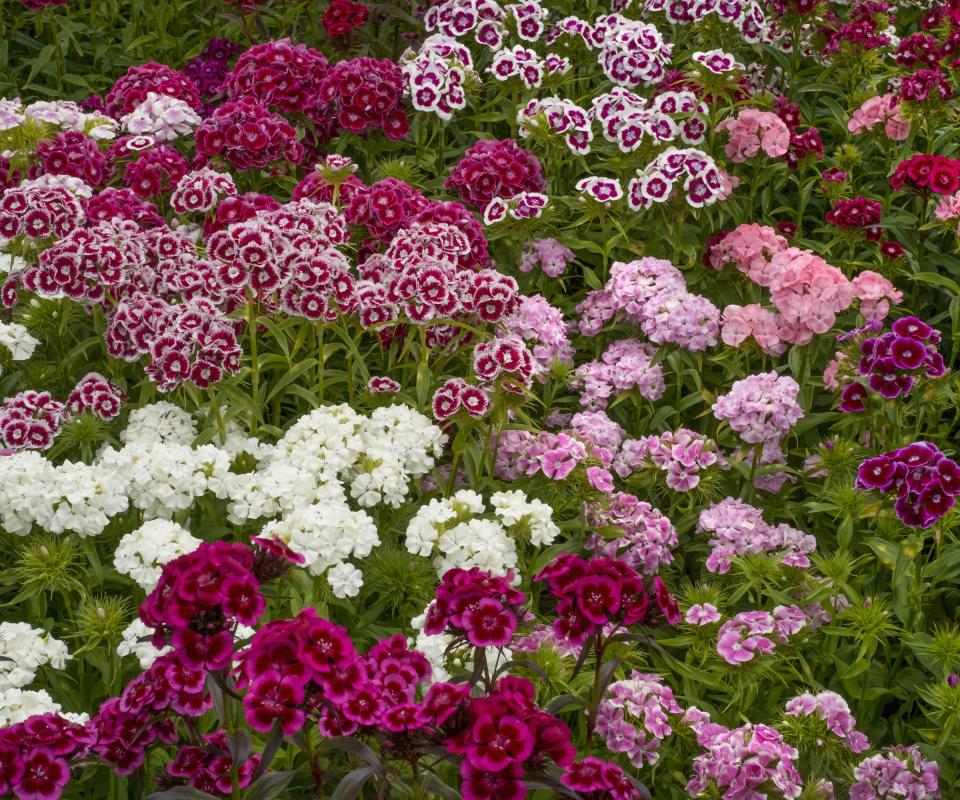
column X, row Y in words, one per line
column 254, row 363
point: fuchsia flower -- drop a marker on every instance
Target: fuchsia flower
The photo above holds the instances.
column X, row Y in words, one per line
column 760, row 408
column 132, row 89
column 342, row 16
column 366, row 92
column 476, row 606
column 96, row 393
column 495, row 168
column 30, row 420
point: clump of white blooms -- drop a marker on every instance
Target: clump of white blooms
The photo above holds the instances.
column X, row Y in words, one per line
column 456, row 534
column 136, row 642
column 62, row 113
column 23, row 650
column 160, row 422
column 164, row 117
column 16, row 705
column 17, row 341
column 142, row 553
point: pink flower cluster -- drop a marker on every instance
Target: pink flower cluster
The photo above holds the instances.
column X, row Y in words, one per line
column 925, row 481
column 542, row 326
column 282, row 76
column 747, row 635
column 682, row 455
column 652, row 294
column 520, row 453
column 98, row 395
column 752, row 131
column 476, row 606
column 632, row 53
column 35, row 753
column 365, row 92
column 626, row 364
column 38, row 209
column 749, row 761
column 209, row 69
column 199, row 599
column 738, row 529
column 634, row 717
column 154, row 171
column 599, row 780
column 30, row 420
column 495, row 168
column 247, row 135
column 898, row 771
column 550, row 256
column 740, row 323
column 209, row 767
column 436, row 75
column 834, row 711
column 506, row 361
column 760, row 408
column 602, row 594
column 201, row 191
column 73, row 153
column 648, row 539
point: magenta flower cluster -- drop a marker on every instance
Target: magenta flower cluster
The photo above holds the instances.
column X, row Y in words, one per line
column 495, row 168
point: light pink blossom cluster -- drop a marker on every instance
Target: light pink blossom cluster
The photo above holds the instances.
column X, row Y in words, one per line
column 598, row 429
column 738, row 529
column 435, row 75
column 542, row 326
column 752, row 761
column 703, row 182
column 835, row 712
column 948, row 208
column 747, row 635
column 520, row 453
column 548, row 254
column 682, row 455
column 562, row 118
column 626, row 364
column 898, row 772
column 884, row 108
column 627, row 119
column 652, row 294
column 649, row 537
column 163, row 117
column 753, row 130
column 760, row 408
column 740, row 323
column 634, row 717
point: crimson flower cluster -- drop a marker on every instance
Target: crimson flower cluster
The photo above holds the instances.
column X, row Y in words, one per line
column 30, row 420
column 476, row 606
column 600, row 592
column 925, row 481
column 507, row 736
column 122, row 204
column 210, row 67
column 927, row 173
column 495, row 168
column 893, row 361
column 35, row 756
column 73, row 153
column 342, row 16
column 132, row 89
column 594, row 779
column 857, row 213
column 154, row 171
column 209, row 768
column 98, row 395
column 199, row 599
column 284, row 77
column 926, row 84
column 35, row 211
column 246, row 134
column 366, row 92
column 506, row 360
column 456, row 394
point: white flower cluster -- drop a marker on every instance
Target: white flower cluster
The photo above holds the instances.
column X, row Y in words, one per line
column 17, row 339
column 453, row 531
column 23, row 650
column 136, row 643
column 142, row 553
column 326, row 454
column 63, row 113
column 164, row 117
column 16, row 705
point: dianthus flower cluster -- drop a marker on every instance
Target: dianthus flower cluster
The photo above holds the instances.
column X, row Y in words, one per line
column 98, row 395
column 857, row 213
column 749, row 633
column 342, row 16
column 143, row 552
column 556, row 455
column 703, row 182
column 247, row 135
column 163, row 117
column 456, row 394
column 17, row 341
column 629, row 120
column 745, row 15
column 899, row 771
column 753, row 321
column 526, row 63
column 506, row 361
column 495, row 168
column 476, row 606
column 835, row 713
column 23, row 650
column 30, row 420
column 208, row 69
column 154, row 171
column 543, row 327
column 602, row 594
column 435, row 75
column 210, row 768
column 892, row 363
column 457, row 18
column 549, row 255
column 599, row 780
column 38, row 209
column 201, row 191
column 926, row 85
column 634, row 717
column 648, row 539
column 626, row 364
column 632, row 53
column 652, row 294
column 561, row 118
column 925, row 481
column 282, row 76
column 133, row 88
column 199, row 598
column 73, row 153
column 35, row 753
column 365, row 92
column 122, row 204
column 885, row 109
column 760, row 408
column 682, row 455
column 739, row 529
column 926, row 173
column 752, row 131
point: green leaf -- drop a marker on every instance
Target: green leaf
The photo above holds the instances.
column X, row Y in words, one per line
column 268, row 786
column 351, row 785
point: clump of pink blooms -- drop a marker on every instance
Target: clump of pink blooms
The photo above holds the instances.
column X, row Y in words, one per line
column 505, row 361
column 740, row 323
column 738, row 529
column 752, row 131
column 209, row 69
column 562, row 118
column 598, row 429
column 556, row 455
column 602, row 595
column 593, row 778
column 760, row 408
column 899, row 771
column 542, row 326
column 634, row 717
column 280, row 75
column 648, row 539
column 882, row 109
column 925, row 481
column 834, row 711
column 435, row 75
column 495, row 168
column 748, row 634
column 875, row 294
column 625, row 365
column 703, row 182
column 73, row 153
column 475, row 606
column 682, row 455
column 247, row 135
column 652, row 294
column 632, row 53
column 549, row 255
